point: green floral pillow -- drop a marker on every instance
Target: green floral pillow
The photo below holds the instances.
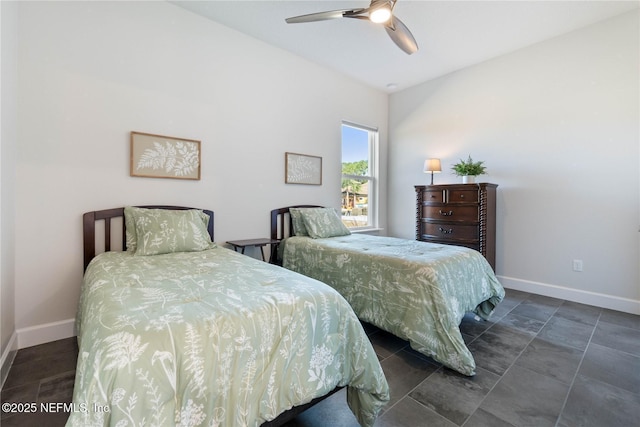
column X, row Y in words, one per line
column 130, row 214
column 130, row 227
column 323, row 222
column 161, row 231
column 298, row 223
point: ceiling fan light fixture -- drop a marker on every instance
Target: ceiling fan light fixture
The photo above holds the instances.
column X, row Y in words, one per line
column 381, row 14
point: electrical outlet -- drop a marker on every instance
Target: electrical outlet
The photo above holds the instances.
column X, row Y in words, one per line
column 577, row 265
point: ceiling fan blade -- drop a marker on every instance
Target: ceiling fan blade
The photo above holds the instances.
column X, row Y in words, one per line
column 401, row 35
column 320, row 16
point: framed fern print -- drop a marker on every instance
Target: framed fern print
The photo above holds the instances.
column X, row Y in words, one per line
column 302, row 169
column 158, row 156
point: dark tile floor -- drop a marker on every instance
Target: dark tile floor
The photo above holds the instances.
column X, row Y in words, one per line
column 541, row 362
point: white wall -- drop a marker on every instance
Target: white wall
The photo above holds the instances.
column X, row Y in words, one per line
column 557, row 125
column 9, row 74
column 91, row 72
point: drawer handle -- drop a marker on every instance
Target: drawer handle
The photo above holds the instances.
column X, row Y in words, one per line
column 446, row 213
column 443, row 231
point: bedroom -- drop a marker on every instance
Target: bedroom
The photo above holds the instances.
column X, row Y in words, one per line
column 72, row 100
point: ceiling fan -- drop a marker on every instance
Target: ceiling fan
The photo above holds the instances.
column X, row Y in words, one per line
column 379, row 12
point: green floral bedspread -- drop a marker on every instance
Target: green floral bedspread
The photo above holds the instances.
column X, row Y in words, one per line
column 418, row 291
column 214, row 338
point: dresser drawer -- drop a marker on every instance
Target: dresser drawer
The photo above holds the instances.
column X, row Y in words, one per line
column 462, row 196
column 450, row 231
column 450, row 213
column 433, row 196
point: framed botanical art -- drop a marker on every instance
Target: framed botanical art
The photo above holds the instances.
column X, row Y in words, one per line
column 159, row 156
column 303, row 169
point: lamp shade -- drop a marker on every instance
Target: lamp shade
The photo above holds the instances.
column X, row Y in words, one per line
column 432, row 165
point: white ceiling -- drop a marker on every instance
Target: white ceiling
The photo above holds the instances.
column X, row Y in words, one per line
column 451, row 34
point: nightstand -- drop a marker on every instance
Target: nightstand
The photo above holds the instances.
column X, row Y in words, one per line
column 256, row 243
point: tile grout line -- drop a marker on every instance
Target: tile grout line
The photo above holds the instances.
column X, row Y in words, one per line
column 573, row 380
column 514, row 360
column 442, row 367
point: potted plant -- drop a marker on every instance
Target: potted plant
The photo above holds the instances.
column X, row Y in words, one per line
column 468, row 169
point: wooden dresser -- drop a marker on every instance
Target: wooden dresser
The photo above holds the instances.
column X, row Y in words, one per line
column 458, row 214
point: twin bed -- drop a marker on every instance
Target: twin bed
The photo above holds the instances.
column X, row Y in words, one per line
column 175, row 330
column 418, row 291
column 183, row 332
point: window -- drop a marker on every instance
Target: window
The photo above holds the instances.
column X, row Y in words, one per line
column 359, row 176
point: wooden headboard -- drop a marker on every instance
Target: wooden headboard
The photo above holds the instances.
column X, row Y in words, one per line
column 281, row 221
column 89, row 220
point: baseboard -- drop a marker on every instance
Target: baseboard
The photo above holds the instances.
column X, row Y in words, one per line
column 584, row 297
column 40, row 334
column 8, row 355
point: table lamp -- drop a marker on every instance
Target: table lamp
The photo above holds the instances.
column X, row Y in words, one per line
column 433, row 166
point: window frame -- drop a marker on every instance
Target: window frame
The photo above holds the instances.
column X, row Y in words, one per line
column 372, row 174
